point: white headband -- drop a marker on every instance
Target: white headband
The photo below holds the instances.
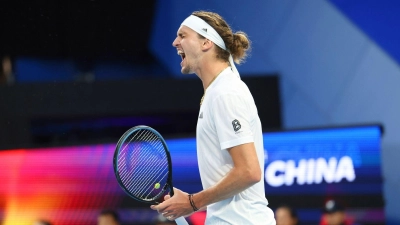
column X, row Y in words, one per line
column 207, row 31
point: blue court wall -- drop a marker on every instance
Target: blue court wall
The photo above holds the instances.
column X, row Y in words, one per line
column 331, row 71
column 378, row 19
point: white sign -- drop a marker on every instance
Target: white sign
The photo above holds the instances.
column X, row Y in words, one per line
column 310, row 171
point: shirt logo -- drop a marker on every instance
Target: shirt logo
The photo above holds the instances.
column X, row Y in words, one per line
column 201, row 115
column 205, row 29
column 236, row 125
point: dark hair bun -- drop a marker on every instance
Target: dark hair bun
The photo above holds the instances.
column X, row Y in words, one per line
column 240, row 46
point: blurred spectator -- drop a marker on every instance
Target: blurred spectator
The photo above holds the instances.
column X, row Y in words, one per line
column 6, row 71
column 108, row 217
column 334, row 214
column 198, row 218
column 42, row 222
column 286, row 215
column 161, row 220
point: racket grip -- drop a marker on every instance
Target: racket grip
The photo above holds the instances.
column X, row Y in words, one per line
column 181, row 221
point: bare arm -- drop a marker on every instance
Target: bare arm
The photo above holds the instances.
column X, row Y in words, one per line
column 245, row 172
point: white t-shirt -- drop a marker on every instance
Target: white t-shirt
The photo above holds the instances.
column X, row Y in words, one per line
column 228, row 117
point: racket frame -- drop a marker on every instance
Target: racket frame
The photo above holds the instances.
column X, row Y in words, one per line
column 115, row 163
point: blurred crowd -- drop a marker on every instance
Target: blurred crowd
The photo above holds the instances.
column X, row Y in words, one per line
column 111, row 217
column 333, row 213
column 6, row 70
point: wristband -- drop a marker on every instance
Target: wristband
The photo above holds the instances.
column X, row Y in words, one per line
column 192, row 203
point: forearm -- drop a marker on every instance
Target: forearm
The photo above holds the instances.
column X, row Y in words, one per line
column 236, row 181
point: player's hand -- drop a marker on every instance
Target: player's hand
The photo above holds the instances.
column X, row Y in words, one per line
column 175, row 206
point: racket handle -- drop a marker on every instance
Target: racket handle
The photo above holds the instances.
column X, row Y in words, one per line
column 181, row 221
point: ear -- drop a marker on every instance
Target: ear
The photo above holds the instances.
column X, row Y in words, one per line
column 206, row 44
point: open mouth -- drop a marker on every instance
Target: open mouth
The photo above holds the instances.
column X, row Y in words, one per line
column 182, row 54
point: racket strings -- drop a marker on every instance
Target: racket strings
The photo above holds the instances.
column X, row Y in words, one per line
column 148, row 166
column 136, row 149
column 141, row 170
column 144, row 182
column 144, row 185
column 135, row 184
column 149, row 173
column 123, row 163
column 127, row 144
column 148, row 184
column 153, row 188
column 136, row 172
column 123, row 152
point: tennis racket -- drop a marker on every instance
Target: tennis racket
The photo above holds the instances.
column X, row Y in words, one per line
column 142, row 166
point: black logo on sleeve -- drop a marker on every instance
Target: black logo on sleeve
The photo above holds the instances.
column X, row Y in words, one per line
column 236, row 125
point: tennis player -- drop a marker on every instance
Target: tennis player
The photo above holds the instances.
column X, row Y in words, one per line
column 229, row 136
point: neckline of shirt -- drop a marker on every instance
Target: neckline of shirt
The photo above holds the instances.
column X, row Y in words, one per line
column 223, row 72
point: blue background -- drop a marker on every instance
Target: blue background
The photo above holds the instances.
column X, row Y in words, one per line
column 362, row 144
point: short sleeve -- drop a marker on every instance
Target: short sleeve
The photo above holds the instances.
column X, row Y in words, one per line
column 232, row 118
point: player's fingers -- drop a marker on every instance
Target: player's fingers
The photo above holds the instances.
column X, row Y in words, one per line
column 171, row 218
column 163, row 208
column 156, row 207
column 166, row 197
column 167, row 214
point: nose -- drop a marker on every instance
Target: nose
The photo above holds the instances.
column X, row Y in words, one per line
column 175, row 43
